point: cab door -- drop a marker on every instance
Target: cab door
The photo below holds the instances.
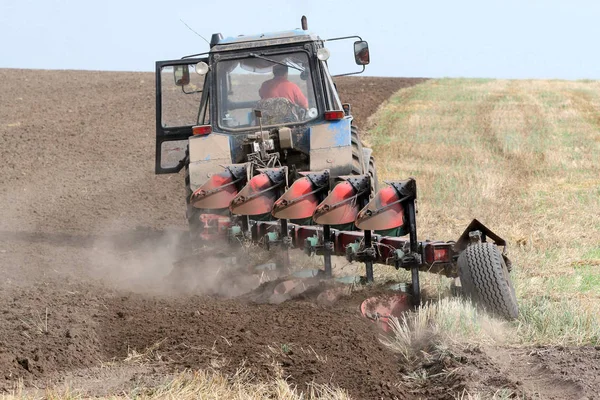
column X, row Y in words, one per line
column 181, row 103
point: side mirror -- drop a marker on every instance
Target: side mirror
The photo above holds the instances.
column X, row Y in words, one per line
column 361, row 52
column 181, row 74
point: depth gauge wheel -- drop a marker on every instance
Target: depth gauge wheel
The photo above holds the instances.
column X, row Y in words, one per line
column 485, row 279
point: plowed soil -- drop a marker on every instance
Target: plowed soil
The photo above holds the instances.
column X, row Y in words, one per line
column 88, row 234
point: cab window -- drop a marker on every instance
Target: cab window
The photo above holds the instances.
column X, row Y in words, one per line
column 280, row 85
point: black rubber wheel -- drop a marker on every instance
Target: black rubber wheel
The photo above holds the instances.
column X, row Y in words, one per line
column 373, row 174
column 485, row 279
column 357, row 152
column 192, row 213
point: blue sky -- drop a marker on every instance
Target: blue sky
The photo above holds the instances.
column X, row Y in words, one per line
column 451, row 38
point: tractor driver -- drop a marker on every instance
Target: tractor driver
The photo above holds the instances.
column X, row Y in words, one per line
column 279, row 86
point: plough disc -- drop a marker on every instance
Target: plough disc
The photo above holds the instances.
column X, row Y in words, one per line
column 380, row 309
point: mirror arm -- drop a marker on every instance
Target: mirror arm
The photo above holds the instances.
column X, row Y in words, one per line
column 344, row 37
column 195, row 91
column 351, row 73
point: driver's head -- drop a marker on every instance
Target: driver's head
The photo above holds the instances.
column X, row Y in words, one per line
column 280, row 70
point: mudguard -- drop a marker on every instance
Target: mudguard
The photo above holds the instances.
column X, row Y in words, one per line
column 475, row 225
column 207, row 156
column 331, row 147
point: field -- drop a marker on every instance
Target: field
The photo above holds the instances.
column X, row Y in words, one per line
column 88, row 233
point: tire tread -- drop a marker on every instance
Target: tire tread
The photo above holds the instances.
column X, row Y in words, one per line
column 481, row 271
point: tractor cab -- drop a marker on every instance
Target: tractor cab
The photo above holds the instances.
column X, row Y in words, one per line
column 245, row 85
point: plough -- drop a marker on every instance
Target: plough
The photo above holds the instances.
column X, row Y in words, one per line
column 349, row 203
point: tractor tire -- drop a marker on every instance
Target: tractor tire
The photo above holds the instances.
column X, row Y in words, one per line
column 372, row 171
column 357, row 152
column 485, row 279
column 192, row 214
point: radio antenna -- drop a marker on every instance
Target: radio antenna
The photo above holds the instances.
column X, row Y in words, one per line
column 183, row 22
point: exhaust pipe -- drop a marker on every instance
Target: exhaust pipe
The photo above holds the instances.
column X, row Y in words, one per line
column 304, row 23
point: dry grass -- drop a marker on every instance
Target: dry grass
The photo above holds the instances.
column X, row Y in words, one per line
column 524, row 158
column 203, row 385
column 502, row 394
column 436, row 325
column 35, row 324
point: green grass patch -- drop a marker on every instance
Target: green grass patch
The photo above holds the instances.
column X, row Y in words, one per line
column 583, row 279
column 524, row 158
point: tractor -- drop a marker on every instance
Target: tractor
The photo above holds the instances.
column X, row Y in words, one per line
column 271, row 155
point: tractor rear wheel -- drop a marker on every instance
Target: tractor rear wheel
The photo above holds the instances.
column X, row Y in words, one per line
column 192, row 214
column 373, row 174
column 485, row 279
column 357, row 152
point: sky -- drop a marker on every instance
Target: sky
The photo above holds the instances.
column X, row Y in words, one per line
column 435, row 38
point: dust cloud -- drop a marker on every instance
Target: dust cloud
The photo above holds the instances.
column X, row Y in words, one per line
column 161, row 262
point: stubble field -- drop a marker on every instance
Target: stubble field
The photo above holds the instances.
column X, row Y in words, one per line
column 88, row 232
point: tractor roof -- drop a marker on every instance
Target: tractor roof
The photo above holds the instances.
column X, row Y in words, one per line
column 264, row 39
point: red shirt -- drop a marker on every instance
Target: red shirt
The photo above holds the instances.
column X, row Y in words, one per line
column 281, row 87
